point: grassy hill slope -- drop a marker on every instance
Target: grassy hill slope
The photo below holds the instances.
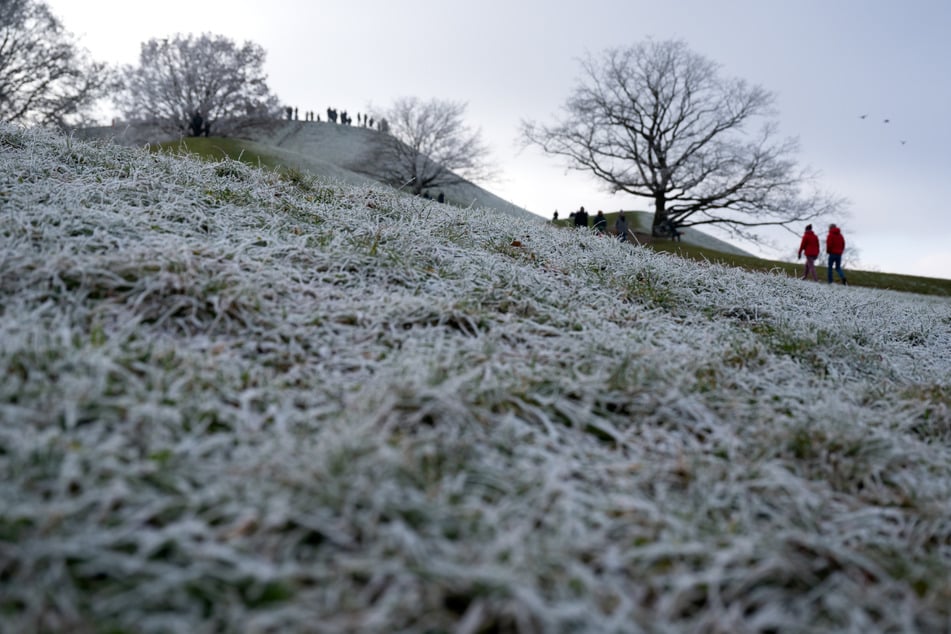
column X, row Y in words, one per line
column 323, row 150
column 246, row 400
column 263, row 155
column 345, row 147
column 328, row 150
column 700, row 247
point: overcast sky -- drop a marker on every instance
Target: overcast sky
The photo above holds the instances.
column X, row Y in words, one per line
column 828, row 61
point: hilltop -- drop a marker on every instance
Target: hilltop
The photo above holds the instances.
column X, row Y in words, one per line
column 323, row 149
column 237, row 399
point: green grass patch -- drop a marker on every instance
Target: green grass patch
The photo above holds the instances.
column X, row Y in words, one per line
column 221, row 148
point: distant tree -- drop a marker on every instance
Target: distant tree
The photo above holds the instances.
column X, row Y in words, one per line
column 45, row 78
column 425, row 144
column 209, row 74
column 656, row 120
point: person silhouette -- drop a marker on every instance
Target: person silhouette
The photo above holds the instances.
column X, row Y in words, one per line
column 600, row 222
column 835, row 247
column 620, row 227
column 581, row 217
column 810, row 246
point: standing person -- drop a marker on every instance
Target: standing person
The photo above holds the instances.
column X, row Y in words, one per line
column 620, row 226
column 810, row 244
column 581, row 218
column 600, row 222
column 835, row 247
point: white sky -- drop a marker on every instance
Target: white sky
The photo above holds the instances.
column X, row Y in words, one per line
column 828, row 61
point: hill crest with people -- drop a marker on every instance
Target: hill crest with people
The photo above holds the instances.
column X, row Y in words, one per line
column 334, row 150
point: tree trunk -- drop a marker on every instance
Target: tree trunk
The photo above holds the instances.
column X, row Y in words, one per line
column 659, row 226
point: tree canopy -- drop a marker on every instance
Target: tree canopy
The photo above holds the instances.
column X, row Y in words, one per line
column 210, row 75
column 658, row 121
column 45, row 78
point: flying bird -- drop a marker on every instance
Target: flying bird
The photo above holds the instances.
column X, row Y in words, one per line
column 862, row 116
column 886, row 121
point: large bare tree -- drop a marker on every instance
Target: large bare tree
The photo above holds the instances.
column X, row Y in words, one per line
column 45, row 77
column 209, row 75
column 657, row 120
column 424, row 145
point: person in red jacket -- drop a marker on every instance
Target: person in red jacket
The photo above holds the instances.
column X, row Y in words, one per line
column 835, row 246
column 809, row 245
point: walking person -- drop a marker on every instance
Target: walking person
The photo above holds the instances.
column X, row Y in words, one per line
column 835, row 247
column 810, row 246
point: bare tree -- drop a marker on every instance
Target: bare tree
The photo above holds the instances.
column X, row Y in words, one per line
column 45, row 78
column 425, row 144
column 657, row 121
column 208, row 75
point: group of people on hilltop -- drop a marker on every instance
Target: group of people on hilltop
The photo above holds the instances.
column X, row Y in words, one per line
column 581, row 218
column 333, row 116
column 835, row 247
column 341, row 117
column 601, row 225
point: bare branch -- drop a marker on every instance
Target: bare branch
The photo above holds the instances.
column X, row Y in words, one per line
column 657, row 121
column 427, row 145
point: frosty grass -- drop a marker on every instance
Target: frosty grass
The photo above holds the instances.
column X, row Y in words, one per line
column 233, row 401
